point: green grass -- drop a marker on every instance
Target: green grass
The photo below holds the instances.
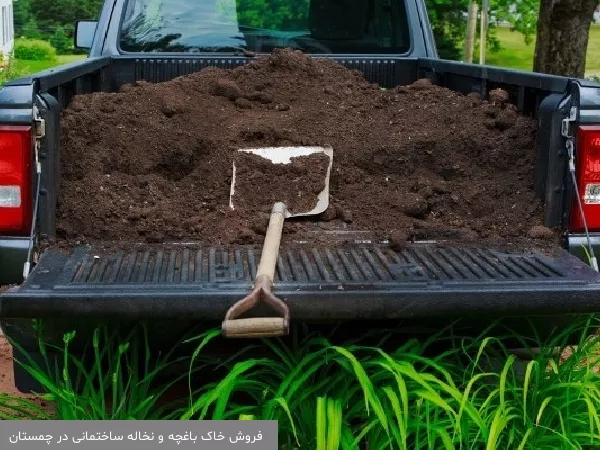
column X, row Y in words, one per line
column 18, row 68
column 27, row 67
column 516, row 54
column 350, row 396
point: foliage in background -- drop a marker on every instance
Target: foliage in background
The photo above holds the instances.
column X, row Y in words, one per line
column 34, row 50
column 10, row 71
column 475, row 394
column 276, row 14
column 54, row 21
column 448, row 19
column 522, row 15
column 40, row 19
column 448, row 23
column 60, row 41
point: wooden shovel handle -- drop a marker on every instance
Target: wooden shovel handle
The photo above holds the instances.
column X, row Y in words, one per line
column 233, row 327
column 270, row 251
column 256, row 327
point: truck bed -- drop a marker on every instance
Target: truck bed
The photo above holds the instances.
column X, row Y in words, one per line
column 353, row 281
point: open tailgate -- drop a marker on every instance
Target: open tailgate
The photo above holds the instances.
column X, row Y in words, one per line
column 343, row 283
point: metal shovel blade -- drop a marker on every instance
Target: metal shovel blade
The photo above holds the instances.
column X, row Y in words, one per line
column 283, row 155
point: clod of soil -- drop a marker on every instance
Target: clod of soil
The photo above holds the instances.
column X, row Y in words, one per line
column 399, row 239
column 540, row 232
column 261, row 183
column 153, row 161
column 227, row 88
column 499, row 96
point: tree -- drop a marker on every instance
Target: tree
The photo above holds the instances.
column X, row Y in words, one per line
column 31, row 30
column 562, row 36
column 448, row 24
column 61, row 42
column 22, row 15
column 522, row 15
column 448, row 21
column 41, row 18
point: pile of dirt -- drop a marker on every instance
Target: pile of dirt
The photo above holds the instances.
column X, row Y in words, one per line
column 153, row 162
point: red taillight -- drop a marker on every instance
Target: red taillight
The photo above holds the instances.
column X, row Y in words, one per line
column 15, row 179
column 588, row 178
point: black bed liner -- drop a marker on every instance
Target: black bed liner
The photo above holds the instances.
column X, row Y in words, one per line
column 369, row 281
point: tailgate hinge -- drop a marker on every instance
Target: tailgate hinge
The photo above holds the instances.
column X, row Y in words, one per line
column 566, row 128
column 40, row 134
column 40, row 127
column 39, row 124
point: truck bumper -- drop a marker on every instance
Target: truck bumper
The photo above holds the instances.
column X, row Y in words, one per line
column 366, row 282
column 577, row 245
column 13, row 254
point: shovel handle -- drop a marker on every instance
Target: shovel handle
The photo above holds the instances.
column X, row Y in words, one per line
column 255, row 328
column 263, row 326
column 270, row 251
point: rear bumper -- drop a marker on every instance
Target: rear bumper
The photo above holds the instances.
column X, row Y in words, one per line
column 363, row 282
column 13, row 254
column 329, row 303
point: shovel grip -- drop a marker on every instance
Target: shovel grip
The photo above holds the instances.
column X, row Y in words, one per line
column 255, row 328
column 270, row 251
column 263, row 326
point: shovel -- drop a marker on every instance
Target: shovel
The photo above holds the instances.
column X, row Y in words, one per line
column 271, row 326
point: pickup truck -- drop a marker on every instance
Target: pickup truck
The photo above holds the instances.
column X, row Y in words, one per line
column 353, row 286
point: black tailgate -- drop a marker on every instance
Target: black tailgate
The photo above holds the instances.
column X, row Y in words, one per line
column 368, row 281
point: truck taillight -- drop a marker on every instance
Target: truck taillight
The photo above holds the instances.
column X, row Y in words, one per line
column 15, row 179
column 588, row 177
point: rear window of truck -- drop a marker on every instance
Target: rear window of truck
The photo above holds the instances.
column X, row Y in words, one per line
column 223, row 26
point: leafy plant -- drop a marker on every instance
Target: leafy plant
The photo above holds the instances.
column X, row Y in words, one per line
column 33, row 49
column 326, row 396
column 61, row 42
column 522, row 15
column 10, row 71
column 117, row 384
column 472, row 396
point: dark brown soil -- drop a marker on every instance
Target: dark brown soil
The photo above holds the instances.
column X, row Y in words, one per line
column 153, row 163
column 260, row 183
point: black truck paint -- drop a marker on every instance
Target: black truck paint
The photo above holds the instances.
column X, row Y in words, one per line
column 363, row 282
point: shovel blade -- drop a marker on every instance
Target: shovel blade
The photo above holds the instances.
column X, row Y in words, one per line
column 283, row 155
